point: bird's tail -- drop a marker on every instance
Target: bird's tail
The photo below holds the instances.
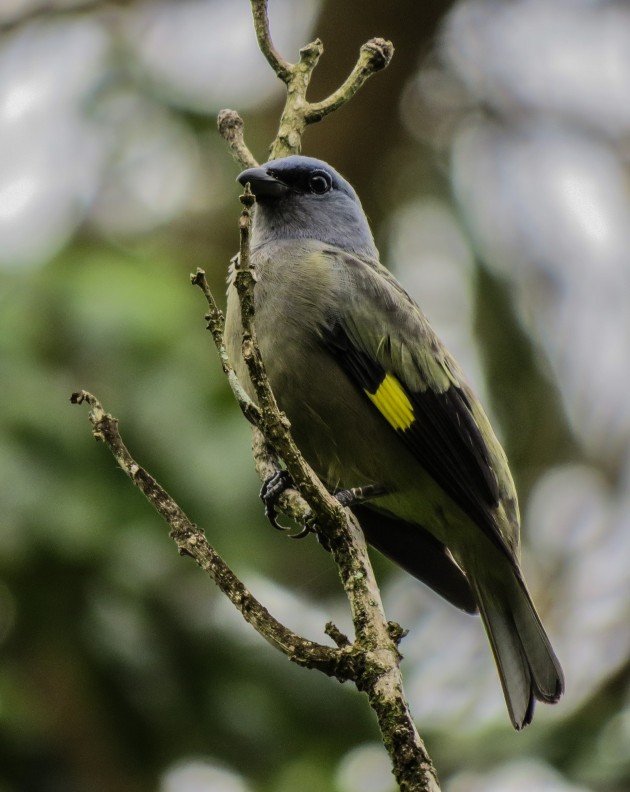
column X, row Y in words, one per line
column 527, row 665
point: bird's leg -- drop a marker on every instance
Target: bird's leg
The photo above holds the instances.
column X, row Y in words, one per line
column 346, row 497
column 280, row 481
column 355, row 495
column 270, row 491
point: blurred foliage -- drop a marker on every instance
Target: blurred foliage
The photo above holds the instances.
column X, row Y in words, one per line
column 122, row 669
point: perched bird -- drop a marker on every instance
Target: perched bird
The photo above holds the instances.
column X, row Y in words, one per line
column 376, row 402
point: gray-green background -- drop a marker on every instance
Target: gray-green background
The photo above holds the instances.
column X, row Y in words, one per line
column 492, row 159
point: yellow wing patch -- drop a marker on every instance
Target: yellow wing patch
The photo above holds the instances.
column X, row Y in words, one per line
column 392, row 401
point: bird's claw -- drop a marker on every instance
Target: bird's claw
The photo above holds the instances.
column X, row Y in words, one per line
column 304, row 531
column 310, row 527
column 346, row 497
column 280, row 481
column 270, row 491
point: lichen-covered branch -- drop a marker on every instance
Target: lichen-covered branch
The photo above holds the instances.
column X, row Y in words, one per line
column 191, row 541
column 373, row 669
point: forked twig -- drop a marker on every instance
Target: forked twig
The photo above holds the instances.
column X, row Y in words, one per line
column 298, row 112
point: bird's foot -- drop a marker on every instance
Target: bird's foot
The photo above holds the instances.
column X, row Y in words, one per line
column 271, row 490
column 281, row 481
column 346, row 497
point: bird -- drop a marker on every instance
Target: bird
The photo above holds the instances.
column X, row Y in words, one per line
column 383, row 413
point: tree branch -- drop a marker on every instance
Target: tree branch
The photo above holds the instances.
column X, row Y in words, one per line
column 216, row 325
column 298, row 112
column 376, row 640
column 191, row 541
column 377, row 671
column 230, row 126
column 374, row 664
column 261, row 25
column 374, row 55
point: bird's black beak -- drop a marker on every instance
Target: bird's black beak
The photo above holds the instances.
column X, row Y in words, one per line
column 262, row 183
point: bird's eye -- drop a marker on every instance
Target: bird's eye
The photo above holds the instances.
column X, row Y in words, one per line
column 319, row 182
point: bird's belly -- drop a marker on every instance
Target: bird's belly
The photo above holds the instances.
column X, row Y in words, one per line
column 349, row 443
column 339, row 432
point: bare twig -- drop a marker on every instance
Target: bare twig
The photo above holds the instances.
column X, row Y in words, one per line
column 374, row 56
column 230, row 126
column 335, row 633
column 191, row 541
column 261, row 25
column 298, row 112
column 216, row 325
column 265, row 459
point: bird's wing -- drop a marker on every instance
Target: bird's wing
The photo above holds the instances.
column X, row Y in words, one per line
column 418, row 552
column 384, row 343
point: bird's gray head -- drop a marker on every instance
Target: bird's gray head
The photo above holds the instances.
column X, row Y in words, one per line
column 304, row 198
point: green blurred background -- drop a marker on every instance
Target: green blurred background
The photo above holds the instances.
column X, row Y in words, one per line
column 492, row 159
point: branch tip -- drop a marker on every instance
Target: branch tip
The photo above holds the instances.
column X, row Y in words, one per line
column 396, row 632
column 198, row 278
column 380, row 52
column 311, row 53
column 332, row 631
column 231, row 128
column 97, row 412
column 247, row 199
column 229, row 121
column 374, row 56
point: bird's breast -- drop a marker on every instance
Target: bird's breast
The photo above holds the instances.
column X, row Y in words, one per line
column 331, row 423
